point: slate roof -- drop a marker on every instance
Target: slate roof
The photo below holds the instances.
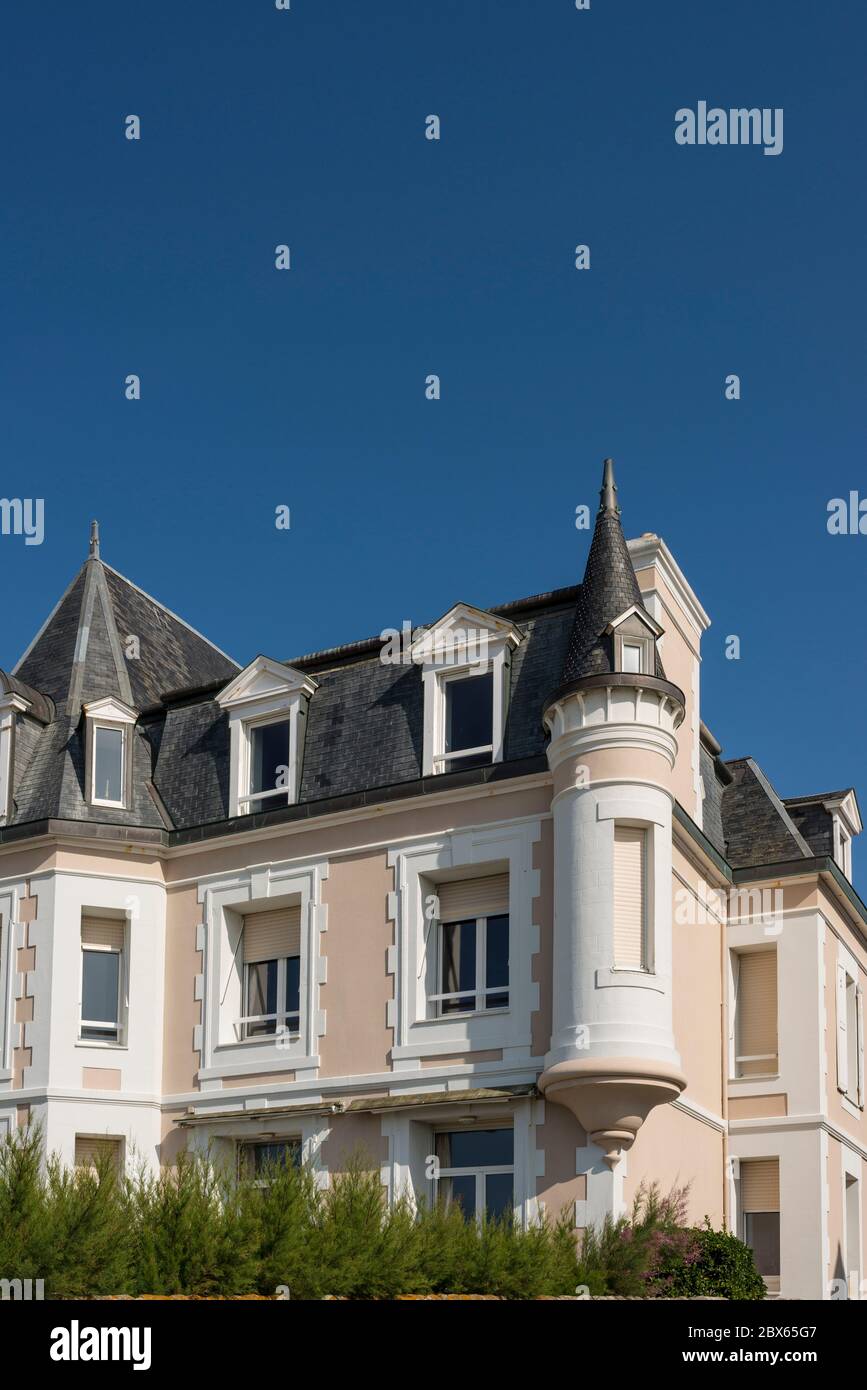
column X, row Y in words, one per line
column 365, row 721
column 79, row 655
column 609, row 587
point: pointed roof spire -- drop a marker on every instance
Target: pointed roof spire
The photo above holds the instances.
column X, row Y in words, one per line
column 608, row 495
column 94, row 540
column 608, row 589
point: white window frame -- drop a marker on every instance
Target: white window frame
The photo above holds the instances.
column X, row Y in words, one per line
column 245, row 773
column 479, row 1173
column 114, row 715
column 225, row 902
column 106, row 726
column 418, row 866
column 265, row 692
column 242, row 1024
column 442, row 759
column 481, row 992
column 114, row 1034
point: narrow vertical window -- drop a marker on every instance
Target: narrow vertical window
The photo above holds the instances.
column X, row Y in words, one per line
column 757, row 1049
column 108, row 766
column 630, row 898
column 102, row 942
column 760, row 1214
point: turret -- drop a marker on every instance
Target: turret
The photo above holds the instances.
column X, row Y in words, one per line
column 612, row 722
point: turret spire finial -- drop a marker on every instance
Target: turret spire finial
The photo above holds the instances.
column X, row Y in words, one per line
column 94, row 540
column 608, row 495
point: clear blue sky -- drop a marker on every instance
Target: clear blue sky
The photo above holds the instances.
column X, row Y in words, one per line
column 306, row 388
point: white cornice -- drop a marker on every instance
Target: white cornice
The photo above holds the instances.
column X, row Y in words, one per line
column 649, row 550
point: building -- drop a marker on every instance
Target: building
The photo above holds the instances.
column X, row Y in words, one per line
column 484, row 901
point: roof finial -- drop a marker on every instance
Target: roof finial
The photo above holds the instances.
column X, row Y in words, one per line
column 94, row 540
column 608, row 495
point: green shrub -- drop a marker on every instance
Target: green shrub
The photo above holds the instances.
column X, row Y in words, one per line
column 199, row 1228
column 705, row 1262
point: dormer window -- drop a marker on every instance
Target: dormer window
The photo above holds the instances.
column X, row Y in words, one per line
column 267, row 708
column 634, row 636
column 109, row 731
column 465, row 660
column 846, row 820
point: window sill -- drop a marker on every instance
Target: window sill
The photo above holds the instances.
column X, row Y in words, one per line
column 631, row 979
column 754, row 1076
column 851, row 1106
column 98, row 1046
column 470, row 1013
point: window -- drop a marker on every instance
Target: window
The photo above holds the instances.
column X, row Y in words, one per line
column 632, row 657
column 272, row 972
column 475, row 1169
column 260, row 1160
column 634, row 635
column 102, row 946
column 465, row 661
column 850, row 1032
column 630, row 897
column 760, row 1214
column 852, row 1217
column 469, row 722
column 108, row 765
column 269, row 767
column 267, row 709
column 109, row 731
column 471, row 952
column 92, row 1151
column 756, row 1047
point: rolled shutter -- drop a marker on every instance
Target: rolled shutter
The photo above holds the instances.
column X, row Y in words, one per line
column 630, row 887
column 88, row 1150
column 473, row 897
column 102, row 931
column 757, row 1012
column 842, row 1049
column 760, row 1184
column 270, row 935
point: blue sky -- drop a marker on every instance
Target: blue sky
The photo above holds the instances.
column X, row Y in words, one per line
column 306, row 388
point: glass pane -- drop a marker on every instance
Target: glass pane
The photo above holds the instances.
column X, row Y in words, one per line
column 108, row 764
column 469, row 717
column 632, row 657
column 762, row 1232
column 499, row 1201
column 459, row 965
column 461, row 1190
column 261, row 995
column 99, row 992
column 269, row 759
column 293, row 988
column 497, row 960
column 262, row 1157
column 475, row 1148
